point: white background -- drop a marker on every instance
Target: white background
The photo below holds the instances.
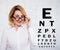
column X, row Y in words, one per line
column 34, row 11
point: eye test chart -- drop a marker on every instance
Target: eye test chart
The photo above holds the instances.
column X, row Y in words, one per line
column 46, row 36
column 45, row 21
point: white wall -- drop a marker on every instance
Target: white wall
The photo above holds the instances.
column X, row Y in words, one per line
column 34, row 11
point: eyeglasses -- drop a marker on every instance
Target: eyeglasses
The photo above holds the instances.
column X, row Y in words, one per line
column 17, row 17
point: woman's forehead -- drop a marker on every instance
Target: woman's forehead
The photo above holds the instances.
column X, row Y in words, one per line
column 17, row 12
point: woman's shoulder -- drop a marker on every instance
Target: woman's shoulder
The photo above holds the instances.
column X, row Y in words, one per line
column 7, row 28
column 5, row 31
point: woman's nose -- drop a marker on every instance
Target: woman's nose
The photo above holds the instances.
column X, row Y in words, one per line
column 19, row 19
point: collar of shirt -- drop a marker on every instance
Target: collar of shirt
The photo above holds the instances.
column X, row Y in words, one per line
column 21, row 27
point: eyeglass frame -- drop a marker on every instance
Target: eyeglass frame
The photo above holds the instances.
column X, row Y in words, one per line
column 22, row 16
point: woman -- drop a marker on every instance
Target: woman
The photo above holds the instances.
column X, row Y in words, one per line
column 17, row 37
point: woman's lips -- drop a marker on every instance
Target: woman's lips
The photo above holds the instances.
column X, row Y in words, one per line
column 19, row 21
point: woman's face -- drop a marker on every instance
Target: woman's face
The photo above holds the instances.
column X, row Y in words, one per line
column 18, row 18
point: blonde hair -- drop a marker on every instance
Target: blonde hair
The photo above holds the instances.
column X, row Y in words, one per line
column 17, row 7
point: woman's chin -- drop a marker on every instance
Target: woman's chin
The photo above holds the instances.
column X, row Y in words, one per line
column 18, row 24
